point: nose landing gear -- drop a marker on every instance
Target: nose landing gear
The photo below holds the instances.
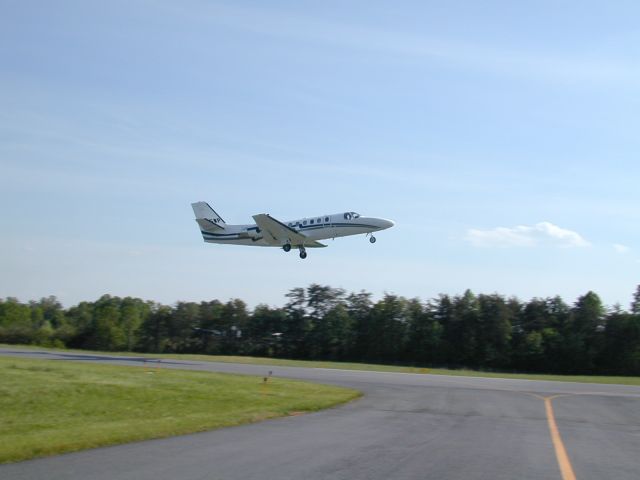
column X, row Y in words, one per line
column 372, row 239
column 303, row 253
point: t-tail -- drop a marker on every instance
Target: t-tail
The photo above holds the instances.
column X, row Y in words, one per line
column 208, row 220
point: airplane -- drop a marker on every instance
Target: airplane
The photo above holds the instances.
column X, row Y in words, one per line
column 300, row 234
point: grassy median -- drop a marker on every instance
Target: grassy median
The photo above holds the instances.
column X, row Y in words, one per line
column 602, row 379
column 278, row 362
column 51, row 406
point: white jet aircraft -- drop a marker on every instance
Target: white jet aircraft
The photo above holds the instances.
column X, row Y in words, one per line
column 300, row 234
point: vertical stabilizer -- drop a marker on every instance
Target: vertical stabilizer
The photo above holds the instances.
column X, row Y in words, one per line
column 206, row 217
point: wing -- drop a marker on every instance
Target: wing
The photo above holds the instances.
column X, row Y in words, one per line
column 277, row 233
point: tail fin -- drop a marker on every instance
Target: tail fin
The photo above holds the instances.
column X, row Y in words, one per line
column 207, row 218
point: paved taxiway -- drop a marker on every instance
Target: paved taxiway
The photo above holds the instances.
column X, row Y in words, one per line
column 406, row 427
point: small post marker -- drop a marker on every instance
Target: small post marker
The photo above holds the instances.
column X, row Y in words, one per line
column 265, row 382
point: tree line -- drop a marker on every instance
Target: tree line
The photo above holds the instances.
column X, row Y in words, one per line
column 324, row 323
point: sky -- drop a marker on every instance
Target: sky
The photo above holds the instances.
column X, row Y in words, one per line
column 502, row 138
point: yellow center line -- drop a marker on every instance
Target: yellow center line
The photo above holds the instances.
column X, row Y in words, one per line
column 561, row 453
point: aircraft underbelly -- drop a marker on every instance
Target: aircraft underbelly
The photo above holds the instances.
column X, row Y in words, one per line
column 241, row 241
column 345, row 231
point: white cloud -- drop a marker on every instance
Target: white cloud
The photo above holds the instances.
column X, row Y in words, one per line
column 621, row 249
column 542, row 233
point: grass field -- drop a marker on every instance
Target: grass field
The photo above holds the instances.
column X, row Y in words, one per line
column 51, row 407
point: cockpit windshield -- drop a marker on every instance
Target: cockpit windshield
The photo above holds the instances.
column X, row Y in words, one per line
column 351, row 215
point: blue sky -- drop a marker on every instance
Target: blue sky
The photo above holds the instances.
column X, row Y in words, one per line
column 502, row 137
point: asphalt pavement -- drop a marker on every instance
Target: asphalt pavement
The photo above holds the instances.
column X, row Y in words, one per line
column 407, row 426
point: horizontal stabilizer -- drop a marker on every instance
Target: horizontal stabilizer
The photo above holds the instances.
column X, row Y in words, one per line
column 208, row 225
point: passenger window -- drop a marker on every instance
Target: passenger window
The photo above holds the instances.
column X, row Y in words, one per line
column 326, row 219
column 311, row 222
column 304, row 223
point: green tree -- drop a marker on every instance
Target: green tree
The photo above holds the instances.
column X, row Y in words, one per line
column 181, row 333
column 320, row 299
column 583, row 337
column 16, row 324
column 322, row 339
column 359, row 306
column 133, row 312
column 388, row 329
column 262, row 334
column 234, row 320
column 105, row 331
column 463, row 334
column 208, row 326
column 635, row 304
column 332, row 334
column 442, row 311
column 80, row 320
column 154, row 330
column 621, row 353
column 52, row 311
column 295, row 334
column 535, row 315
column 493, row 331
column 424, row 334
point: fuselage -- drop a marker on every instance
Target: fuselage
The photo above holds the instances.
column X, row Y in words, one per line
column 320, row 227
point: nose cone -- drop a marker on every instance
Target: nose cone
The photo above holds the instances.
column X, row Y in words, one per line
column 381, row 223
column 376, row 223
column 384, row 223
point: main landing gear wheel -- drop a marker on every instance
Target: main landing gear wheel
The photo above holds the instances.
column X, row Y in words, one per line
column 287, row 247
column 303, row 253
column 372, row 239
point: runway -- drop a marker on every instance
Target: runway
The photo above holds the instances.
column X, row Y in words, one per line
column 407, row 426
